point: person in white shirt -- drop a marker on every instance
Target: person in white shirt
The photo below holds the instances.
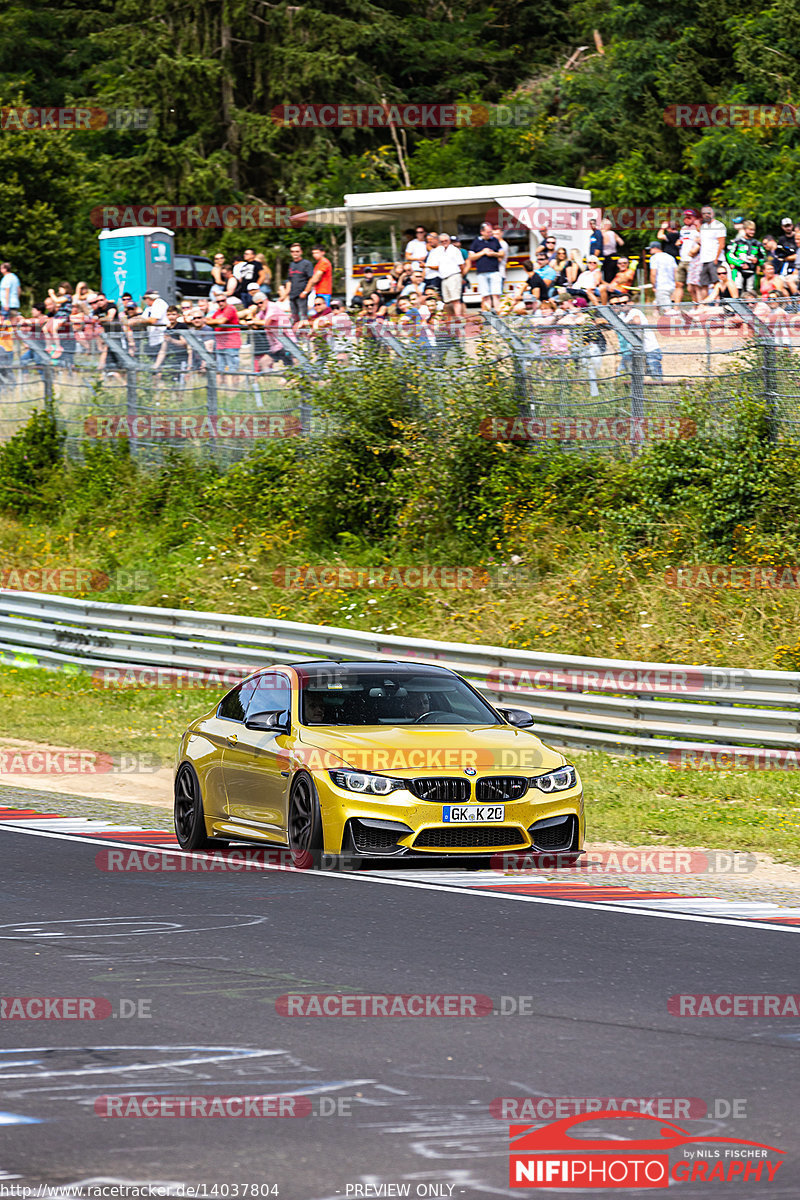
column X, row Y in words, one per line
column 431, row 274
column 415, row 284
column 589, row 280
column 688, row 271
column 417, row 249
column 154, row 316
column 652, row 350
column 662, row 275
column 712, row 249
column 447, row 261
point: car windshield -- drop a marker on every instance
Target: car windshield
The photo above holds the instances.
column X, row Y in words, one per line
column 342, row 695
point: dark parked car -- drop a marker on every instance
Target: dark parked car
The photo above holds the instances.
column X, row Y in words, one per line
column 193, row 277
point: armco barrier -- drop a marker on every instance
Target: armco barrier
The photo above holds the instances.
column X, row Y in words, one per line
column 648, row 709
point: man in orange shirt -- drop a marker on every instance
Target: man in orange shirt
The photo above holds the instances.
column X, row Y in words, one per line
column 322, row 279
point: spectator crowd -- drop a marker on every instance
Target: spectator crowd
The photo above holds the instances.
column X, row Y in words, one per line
column 421, row 299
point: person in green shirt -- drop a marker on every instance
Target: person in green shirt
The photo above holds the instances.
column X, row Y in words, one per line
column 746, row 255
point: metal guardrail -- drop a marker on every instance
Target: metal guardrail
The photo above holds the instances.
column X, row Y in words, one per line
column 650, row 709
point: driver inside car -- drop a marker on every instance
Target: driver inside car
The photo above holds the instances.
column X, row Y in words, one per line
column 417, row 704
column 314, row 709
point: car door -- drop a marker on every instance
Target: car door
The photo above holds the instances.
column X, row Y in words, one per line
column 255, row 762
column 208, row 742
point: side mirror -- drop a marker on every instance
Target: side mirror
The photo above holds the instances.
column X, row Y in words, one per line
column 270, row 722
column 517, row 716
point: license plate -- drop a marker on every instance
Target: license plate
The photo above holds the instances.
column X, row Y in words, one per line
column 464, row 814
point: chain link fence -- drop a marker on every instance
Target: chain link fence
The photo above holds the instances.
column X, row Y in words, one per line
column 602, row 378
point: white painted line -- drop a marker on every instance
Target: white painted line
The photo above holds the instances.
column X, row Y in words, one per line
column 731, row 908
column 486, row 893
column 71, row 825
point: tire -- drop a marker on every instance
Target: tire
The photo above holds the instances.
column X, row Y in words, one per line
column 305, row 817
column 189, row 817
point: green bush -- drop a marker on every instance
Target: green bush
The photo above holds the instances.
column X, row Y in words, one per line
column 401, row 466
column 28, row 463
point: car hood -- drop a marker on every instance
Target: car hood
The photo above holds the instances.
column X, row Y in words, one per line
column 407, row 751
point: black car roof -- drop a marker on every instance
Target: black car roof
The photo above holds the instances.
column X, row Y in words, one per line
column 392, row 664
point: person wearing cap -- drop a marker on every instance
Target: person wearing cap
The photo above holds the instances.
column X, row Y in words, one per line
column 154, row 318
column 227, row 337
column 174, row 354
column 269, row 316
column 586, row 340
column 652, row 350
column 787, row 226
column 458, row 242
column 688, row 270
column 796, row 236
column 368, row 284
column 786, row 251
column 342, row 329
column 535, row 283
column 250, row 320
column 662, row 275
column 589, row 282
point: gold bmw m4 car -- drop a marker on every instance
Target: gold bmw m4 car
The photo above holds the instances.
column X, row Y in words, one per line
column 372, row 759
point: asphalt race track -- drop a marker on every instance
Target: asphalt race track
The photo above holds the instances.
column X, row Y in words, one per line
column 192, row 965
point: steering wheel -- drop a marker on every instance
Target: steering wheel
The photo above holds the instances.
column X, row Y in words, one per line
column 429, row 718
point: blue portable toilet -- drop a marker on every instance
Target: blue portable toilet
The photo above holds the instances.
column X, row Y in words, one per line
column 133, row 260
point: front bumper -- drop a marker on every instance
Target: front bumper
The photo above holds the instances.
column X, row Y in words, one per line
column 400, row 824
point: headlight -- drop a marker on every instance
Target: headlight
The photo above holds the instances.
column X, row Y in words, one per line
column 556, row 781
column 360, row 781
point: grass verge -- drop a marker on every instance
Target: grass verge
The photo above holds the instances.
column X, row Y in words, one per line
column 636, row 801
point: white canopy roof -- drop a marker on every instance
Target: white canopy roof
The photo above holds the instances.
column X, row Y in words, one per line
column 434, row 206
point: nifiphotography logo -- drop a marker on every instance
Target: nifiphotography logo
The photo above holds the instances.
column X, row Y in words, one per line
column 552, row 1156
